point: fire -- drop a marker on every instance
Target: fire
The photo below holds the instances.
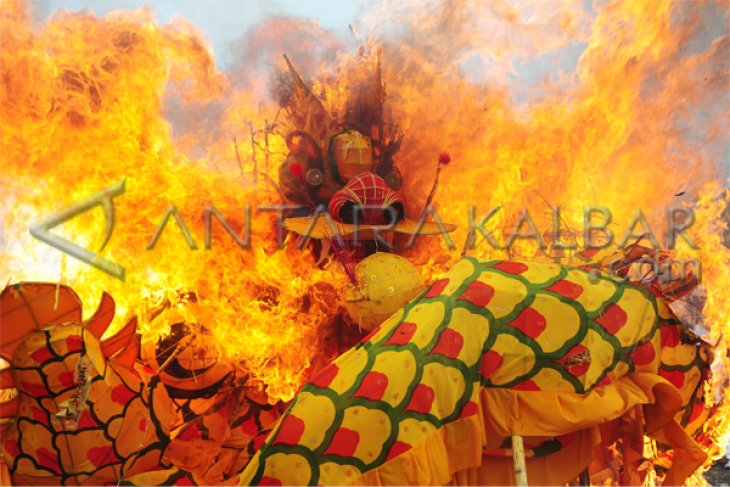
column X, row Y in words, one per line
column 643, row 118
column 82, row 108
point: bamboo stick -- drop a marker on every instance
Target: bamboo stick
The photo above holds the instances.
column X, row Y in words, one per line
column 253, row 148
column 238, row 158
column 266, row 141
column 518, row 459
column 584, row 478
column 177, row 352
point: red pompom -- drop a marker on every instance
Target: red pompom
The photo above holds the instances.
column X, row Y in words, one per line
column 297, row 170
column 444, row 159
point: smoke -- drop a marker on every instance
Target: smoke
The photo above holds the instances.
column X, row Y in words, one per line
column 304, row 40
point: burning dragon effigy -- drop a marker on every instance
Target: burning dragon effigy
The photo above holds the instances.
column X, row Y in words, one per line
column 331, row 331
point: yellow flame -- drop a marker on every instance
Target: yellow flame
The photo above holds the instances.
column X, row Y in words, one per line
column 82, row 108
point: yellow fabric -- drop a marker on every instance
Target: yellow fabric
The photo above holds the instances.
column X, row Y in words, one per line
column 688, row 455
column 169, row 476
column 452, row 455
column 4, row 473
column 197, row 457
column 545, row 413
column 348, row 163
column 509, row 323
column 453, row 448
column 553, row 469
column 387, row 282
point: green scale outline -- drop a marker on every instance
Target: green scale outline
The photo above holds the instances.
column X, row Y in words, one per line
column 424, row 356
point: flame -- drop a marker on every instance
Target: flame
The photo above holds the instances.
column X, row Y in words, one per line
column 642, row 117
column 79, row 117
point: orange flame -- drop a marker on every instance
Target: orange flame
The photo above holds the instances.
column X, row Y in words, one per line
column 642, row 119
